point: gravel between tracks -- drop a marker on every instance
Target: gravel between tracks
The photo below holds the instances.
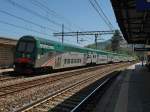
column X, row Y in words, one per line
column 25, row 79
column 11, row 102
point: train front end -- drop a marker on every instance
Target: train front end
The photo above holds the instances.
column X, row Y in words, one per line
column 25, row 55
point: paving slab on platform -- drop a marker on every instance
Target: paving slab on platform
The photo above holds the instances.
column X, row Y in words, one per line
column 129, row 93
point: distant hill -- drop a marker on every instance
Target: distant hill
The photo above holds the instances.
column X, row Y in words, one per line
column 124, row 47
column 100, row 45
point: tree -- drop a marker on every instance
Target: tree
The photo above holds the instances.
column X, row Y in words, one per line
column 108, row 47
column 115, row 42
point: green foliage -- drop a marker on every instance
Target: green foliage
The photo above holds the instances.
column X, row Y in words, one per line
column 115, row 41
column 116, row 44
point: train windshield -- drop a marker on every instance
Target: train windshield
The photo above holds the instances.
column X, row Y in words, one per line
column 25, row 47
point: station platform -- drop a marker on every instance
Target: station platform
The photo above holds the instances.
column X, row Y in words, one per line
column 130, row 92
column 5, row 70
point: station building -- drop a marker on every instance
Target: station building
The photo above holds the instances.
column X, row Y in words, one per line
column 7, row 48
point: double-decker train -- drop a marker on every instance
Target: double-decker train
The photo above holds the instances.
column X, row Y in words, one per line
column 34, row 53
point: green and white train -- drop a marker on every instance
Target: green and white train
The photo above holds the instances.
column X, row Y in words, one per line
column 34, row 53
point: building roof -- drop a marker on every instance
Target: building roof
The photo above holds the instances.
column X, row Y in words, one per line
column 7, row 41
column 134, row 23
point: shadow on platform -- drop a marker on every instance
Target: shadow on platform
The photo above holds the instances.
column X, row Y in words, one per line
column 129, row 93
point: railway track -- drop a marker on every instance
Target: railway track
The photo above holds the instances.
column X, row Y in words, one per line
column 65, row 92
column 10, row 89
column 6, row 78
column 10, row 76
column 94, row 93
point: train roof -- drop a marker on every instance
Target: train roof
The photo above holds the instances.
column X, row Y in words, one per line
column 69, row 47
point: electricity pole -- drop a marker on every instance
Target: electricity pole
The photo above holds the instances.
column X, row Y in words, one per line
column 62, row 38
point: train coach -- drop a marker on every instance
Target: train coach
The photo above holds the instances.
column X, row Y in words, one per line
column 34, row 53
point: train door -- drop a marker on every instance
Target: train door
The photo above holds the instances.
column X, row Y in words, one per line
column 94, row 58
column 89, row 58
column 58, row 62
column 85, row 59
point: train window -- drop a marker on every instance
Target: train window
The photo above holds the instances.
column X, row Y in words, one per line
column 42, row 51
column 21, row 46
column 65, row 61
column 88, row 56
column 68, row 61
column 79, row 60
column 71, row 60
column 74, row 60
column 30, row 47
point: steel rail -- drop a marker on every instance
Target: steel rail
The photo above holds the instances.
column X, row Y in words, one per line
column 63, row 90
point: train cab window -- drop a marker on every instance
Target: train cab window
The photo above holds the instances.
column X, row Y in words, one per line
column 30, row 47
column 26, row 47
column 21, row 46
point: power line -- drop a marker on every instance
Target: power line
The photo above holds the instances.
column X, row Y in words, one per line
column 6, row 30
column 45, row 8
column 33, row 12
column 97, row 10
column 27, row 21
column 95, row 33
column 25, row 28
column 103, row 12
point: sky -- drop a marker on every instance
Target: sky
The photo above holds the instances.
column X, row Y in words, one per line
column 42, row 18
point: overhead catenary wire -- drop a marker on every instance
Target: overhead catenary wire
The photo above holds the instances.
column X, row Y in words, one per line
column 100, row 14
column 103, row 13
column 22, row 27
column 53, row 13
column 29, row 11
column 27, row 21
column 16, row 4
column 47, row 9
column 33, row 12
column 6, row 30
